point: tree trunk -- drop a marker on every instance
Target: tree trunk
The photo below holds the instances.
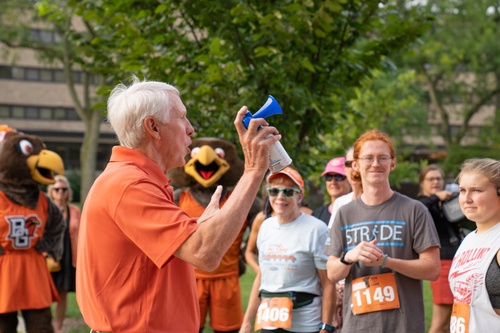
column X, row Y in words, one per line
column 88, row 152
column 497, row 101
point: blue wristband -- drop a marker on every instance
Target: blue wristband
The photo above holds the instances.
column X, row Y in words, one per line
column 385, row 261
column 326, row 327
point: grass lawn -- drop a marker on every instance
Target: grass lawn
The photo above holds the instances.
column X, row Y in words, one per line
column 76, row 325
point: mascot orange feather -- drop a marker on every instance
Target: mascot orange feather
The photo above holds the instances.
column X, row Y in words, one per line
column 214, row 162
column 30, row 227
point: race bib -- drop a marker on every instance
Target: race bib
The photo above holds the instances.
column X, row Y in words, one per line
column 274, row 312
column 459, row 322
column 374, row 293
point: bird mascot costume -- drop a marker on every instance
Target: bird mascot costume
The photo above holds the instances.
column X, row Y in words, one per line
column 31, row 228
column 214, row 162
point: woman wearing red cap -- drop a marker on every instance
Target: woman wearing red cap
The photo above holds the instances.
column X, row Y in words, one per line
column 291, row 292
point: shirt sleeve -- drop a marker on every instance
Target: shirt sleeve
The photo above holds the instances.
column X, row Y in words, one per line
column 147, row 215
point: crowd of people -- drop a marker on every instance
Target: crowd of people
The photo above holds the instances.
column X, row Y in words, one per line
column 355, row 264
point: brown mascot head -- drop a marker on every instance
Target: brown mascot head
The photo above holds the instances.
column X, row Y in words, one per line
column 24, row 159
column 211, row 162
column 24, row 164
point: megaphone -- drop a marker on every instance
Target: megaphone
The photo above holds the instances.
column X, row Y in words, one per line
column 278, row 157
column 271, row 107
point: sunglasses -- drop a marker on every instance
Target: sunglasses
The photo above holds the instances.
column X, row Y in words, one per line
column 337, row 177
column 59, row 189
column 288, row 192
column 348, row 164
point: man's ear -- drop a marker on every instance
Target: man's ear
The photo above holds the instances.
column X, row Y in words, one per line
column 355, row 165
column 393, row 164
column 152, row 127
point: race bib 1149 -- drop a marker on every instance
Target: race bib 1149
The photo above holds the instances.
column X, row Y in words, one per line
column 374, row 293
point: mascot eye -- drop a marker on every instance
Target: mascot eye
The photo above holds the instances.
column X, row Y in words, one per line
column 195, row 151
column 220, row 152
column 25, row 147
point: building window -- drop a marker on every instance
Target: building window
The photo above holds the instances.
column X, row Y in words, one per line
column 71, row 114
column 4, row 112
column 40, row 74
column 58, row 76
column 45, row 113
column 77, row 77
column 31, row 112
column 5, row 72
column 18, row 112
column 59, row 114
column 46, row 75
column 17, row 73
column 32, row 74
column 44, row 36
column 35, row 112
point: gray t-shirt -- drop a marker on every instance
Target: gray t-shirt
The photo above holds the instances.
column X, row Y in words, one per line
column 403, row 228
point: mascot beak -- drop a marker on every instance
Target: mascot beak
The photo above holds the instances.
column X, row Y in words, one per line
column 206, row 167
column 43, row 166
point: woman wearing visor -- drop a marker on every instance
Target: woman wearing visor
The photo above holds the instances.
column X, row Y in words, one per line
column 291, row 292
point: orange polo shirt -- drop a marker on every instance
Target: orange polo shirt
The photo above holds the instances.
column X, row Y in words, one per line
column 128, row 279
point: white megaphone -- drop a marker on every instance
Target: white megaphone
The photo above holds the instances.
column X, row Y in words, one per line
column 278, row 157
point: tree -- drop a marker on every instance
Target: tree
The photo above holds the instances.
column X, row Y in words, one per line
column 310, row 55
column 16, row 20
column 388, row 101
column 458, row 65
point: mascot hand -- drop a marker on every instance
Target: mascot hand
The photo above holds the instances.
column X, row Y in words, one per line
column 213, row 206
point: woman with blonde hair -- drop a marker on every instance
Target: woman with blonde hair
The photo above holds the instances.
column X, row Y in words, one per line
column 64, row 279
column 475, row 271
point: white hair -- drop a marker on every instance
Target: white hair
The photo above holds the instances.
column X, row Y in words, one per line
column 129, row 106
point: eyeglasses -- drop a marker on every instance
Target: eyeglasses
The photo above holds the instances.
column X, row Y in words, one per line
column 58, row 189
column 336, row 176
column 348, row 164
column 434, row 179
column 382, row 160
column 288, row 192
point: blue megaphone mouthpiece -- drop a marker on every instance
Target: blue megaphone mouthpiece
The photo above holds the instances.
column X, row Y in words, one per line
column 268, row 109
column 278, row 157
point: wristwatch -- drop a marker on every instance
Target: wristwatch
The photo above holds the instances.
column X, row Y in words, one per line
column 342, row 259
column 327, row 327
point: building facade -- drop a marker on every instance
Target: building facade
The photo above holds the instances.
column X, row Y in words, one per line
column 35, row 99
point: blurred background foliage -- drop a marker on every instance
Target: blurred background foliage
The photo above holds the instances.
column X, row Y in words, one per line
column 337, row 68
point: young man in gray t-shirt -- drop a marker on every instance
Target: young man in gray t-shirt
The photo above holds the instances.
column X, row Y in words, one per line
column 383, row 244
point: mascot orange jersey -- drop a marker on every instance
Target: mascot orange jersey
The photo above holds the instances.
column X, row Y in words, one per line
column 229, row 265
column 214, row 162
column 30, row 224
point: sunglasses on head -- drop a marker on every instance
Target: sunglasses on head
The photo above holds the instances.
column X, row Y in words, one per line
column 288, row 192
column 337, row 177
column 59, row 189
